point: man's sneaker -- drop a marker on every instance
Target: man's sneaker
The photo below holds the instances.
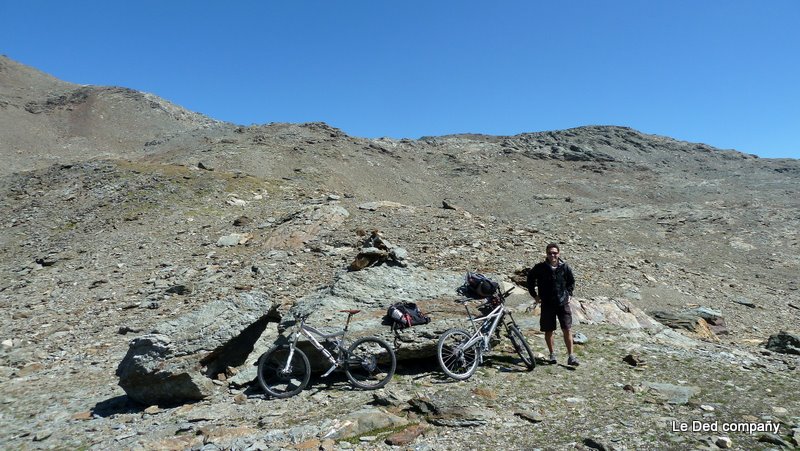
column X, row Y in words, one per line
column 553, row 359
column 573, row 361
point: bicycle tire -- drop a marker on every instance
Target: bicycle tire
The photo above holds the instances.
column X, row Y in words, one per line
column 277, row 383
column 371, row 363
column 521, row 346
column 457, row 363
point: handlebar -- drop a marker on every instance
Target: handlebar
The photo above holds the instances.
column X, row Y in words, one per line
column 501, row 296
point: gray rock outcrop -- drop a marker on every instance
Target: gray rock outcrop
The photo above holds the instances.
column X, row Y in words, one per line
column 373, row 290
column 174, row 363
column 784, row 343
column 687, row 321
column 377, row 250
column 305, row 225
column 613, row 311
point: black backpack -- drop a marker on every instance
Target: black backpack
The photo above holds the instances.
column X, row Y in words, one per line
column 478, row 286
column 404, row 314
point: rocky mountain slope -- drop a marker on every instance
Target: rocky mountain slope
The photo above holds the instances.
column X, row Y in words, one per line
column 121, row 211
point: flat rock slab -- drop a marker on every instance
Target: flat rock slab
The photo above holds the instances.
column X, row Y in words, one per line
column 175, row 362
column 673, row 394
column 305, row 225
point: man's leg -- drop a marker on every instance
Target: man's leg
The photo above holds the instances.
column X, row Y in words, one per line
column 547, row 324
column 568, row 340
column 548, row 339
column 572, row 360
column 565, row 319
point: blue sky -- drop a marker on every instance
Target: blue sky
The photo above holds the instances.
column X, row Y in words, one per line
column 724, row 73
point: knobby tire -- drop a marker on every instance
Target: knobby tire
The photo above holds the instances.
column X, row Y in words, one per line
column 521, row 346
column 277, row 383
column 457, row 363
column 370, row 363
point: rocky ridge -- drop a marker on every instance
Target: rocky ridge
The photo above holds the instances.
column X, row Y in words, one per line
column 109, row 232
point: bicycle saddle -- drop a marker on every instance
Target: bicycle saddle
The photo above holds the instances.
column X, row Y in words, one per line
column 350, row 312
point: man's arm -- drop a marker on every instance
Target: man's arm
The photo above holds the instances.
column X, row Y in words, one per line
column 532, row 283
column 570, row 279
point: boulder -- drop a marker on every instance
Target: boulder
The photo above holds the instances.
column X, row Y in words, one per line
column 372, row 290
column 247, row 372
column 364, row 421
column 673, row 394
column 175, row 362
column 378, row 250
column 712, row 317
column 610, row 311
column 234, row 239
column 784, row 343
column 452, row 408
column 686, row 321
column 405, row 436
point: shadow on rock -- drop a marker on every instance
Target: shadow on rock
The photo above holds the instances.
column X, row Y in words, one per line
column 117, row 405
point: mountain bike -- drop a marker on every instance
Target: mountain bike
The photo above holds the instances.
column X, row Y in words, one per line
column 284, row 370
column 460, row 352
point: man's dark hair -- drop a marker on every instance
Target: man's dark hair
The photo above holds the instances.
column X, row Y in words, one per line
column 552, row 245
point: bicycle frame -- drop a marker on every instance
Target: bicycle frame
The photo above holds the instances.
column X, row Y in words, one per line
column 311, row 333
column 485, row 326
column 493, row 319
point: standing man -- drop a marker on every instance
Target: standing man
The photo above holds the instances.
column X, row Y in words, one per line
column 555, row 282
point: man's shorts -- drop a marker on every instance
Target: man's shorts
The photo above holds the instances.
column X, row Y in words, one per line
column 547, row 320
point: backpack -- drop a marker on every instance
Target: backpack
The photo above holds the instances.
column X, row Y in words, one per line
column 404, row 314
column 478, row 286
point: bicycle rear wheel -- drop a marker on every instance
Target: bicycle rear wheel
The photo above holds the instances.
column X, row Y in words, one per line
column 370, row 363
column 521, row 346
column 279, row 380
column 455, row 360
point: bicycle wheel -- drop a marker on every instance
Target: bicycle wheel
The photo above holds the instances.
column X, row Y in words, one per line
column 276, row 379
column 456, row 361
column 370, row 363
column 521, row 346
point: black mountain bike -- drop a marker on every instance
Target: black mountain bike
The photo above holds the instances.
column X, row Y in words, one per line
column 284, row 370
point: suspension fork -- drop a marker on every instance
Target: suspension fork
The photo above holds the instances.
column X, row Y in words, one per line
column 293, row 346
column 511, row 321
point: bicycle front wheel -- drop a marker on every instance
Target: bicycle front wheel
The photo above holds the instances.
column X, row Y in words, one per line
column 279, row 379
column 456, row 360
column 521, row 346
column 370, row 363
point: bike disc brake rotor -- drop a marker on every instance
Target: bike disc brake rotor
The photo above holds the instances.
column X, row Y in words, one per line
column 285, row 374
column 369, row 363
